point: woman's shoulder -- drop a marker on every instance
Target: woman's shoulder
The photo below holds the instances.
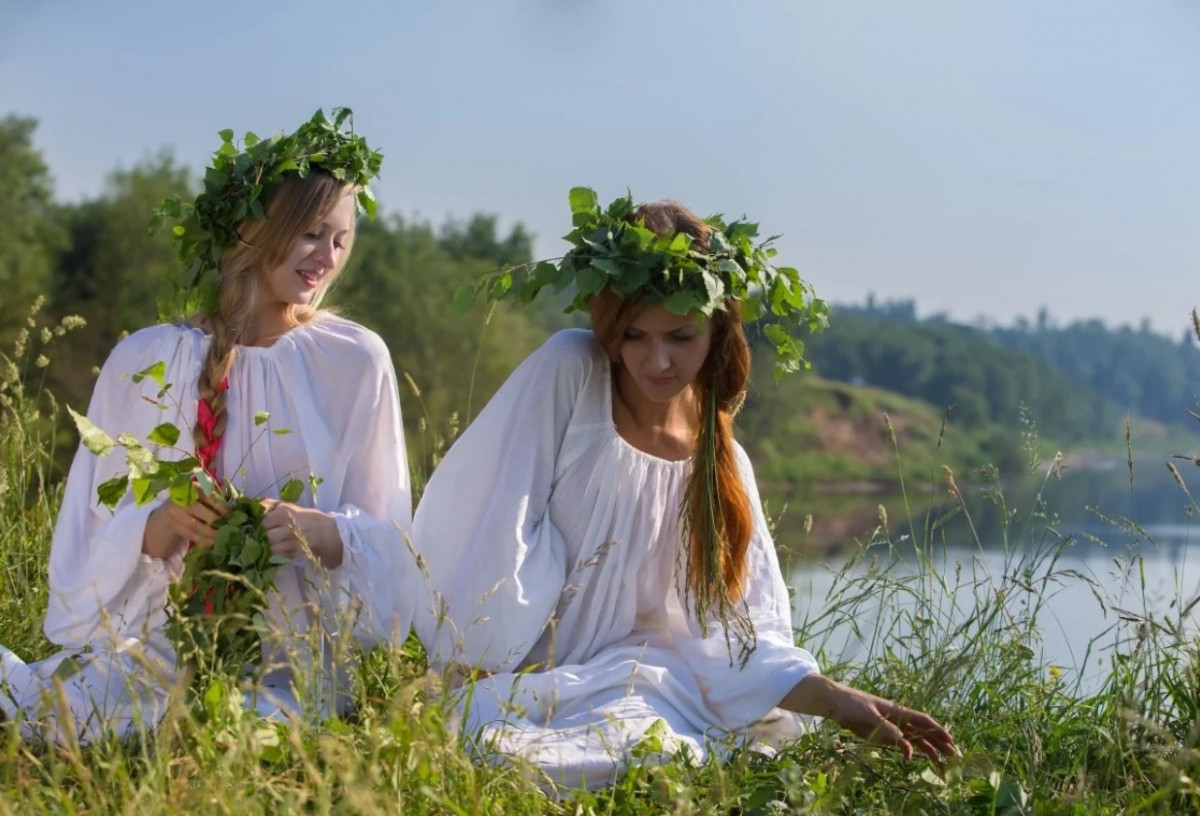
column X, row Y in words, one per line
column 571, row 348
column 146, row 346
column 347, row 342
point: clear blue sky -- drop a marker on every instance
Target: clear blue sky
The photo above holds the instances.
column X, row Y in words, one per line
column 984, row 158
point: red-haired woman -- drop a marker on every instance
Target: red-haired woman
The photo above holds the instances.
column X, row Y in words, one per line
column 564, row 535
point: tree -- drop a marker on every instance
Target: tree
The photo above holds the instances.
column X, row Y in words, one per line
column 29, row 236
column 477, row 238
column 111, row 268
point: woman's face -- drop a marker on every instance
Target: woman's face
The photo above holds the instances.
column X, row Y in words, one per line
column 312, row 258
column 664, row 352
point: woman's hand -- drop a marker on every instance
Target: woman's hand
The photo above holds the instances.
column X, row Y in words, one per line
column 169, row 527
column 875, row 719
column 289, row 527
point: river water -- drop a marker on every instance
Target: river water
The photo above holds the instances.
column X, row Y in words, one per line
column 1121, row 551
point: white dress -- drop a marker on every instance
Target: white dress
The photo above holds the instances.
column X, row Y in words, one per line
column 552, row 546
column 331, row 383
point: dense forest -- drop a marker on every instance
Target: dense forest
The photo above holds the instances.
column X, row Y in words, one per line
column 1077, row 377
column 96, row 258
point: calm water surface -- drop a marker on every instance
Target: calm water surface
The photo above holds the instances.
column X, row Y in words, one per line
column 1135, row 544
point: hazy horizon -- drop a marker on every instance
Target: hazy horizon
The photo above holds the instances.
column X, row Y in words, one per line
column 980, row 159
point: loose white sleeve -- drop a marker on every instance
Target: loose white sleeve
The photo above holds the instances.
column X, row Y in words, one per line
column 377, row 578
column 742, row 694
column 100, row 582
column 495, row 563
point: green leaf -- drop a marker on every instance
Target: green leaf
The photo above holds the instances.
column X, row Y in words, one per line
column 144, row 489
column 583, row 199
column 260, row 417
column 607, row 266
column 155, row 372
column 113, row 490
column 588, row 281
column 94, row 439
column 463, row 297
column 250, row 552
column 184, row 492
column 681, row 303
column 204, row 482
column 140, row 461
column 291, row 490
column 165, row 434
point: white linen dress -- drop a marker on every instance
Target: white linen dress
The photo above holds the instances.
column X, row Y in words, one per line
column 552, row 550
column 332, row 385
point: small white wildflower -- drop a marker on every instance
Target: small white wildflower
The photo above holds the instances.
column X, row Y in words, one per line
column 72, row 322
column 46, row 335
column 21, row 342
column 42, row 361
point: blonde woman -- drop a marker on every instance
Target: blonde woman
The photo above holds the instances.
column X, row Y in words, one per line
column 261, row 246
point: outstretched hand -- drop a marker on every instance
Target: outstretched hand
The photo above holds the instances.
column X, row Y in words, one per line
column 882, row 722
column 879, row 721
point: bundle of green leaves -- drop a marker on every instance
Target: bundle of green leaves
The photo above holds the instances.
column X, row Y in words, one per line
column 216, row 608
column 611, row 249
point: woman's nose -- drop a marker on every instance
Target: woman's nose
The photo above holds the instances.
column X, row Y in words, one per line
column 660, row 358
column 326, row 253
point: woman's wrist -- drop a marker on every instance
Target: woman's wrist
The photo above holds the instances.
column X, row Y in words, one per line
column 158, row 538
column 814, row 696
column 332, row 551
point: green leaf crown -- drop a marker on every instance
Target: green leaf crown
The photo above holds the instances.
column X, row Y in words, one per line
column 236, row 188
column 612, row 250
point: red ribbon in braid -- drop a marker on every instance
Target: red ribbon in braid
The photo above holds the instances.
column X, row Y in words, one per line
column 207, row 421
column 207, row 454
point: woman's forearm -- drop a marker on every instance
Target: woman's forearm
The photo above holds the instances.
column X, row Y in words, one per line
column 812, row 696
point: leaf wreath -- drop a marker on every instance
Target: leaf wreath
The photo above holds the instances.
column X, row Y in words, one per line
column 236, row 187
column 610, row 249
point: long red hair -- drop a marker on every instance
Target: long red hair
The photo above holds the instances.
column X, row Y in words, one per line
column 722, row 381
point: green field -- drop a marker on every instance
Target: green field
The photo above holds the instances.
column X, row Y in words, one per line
column 1031, row 742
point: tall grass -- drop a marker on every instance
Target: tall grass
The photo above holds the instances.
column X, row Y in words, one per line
column 959, row 639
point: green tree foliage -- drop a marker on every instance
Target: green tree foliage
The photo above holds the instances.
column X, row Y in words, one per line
column 1112, row 372
column 961, row 368
column 400, row 282
column 1139, row 371
column 478, row 238
column 29, row 236
column 111, row 268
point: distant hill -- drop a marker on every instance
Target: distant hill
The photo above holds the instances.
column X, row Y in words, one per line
column 981, row 380
column 1132, row 371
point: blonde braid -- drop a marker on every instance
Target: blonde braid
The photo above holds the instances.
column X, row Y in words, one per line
column 227, row 328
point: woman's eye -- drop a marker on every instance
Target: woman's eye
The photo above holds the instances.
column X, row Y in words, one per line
column 683, row 338
column 313, row 236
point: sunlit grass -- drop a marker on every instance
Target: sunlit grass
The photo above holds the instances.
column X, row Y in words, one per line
column 960, row 640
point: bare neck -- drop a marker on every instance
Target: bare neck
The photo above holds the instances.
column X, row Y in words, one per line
column 663, row 429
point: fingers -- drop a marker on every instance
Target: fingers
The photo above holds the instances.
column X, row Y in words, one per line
column 283, row 530
column 196, row 522
column 882, row 722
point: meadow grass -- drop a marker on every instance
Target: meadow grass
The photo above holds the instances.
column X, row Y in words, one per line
column 959, row 640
